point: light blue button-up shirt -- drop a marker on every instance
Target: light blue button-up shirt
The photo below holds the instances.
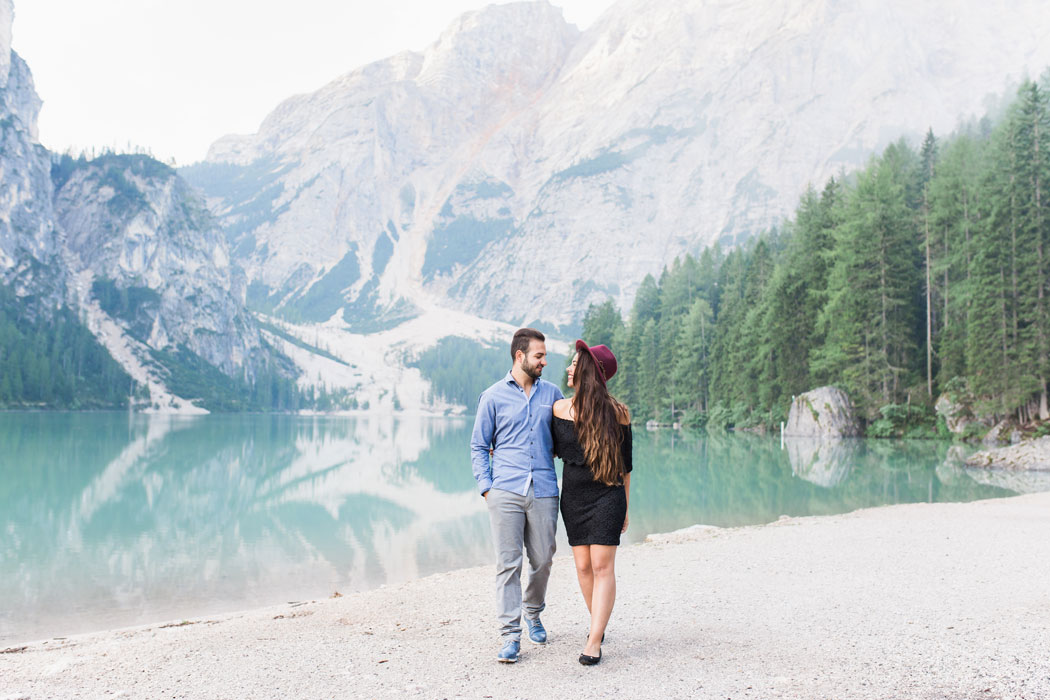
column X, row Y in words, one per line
column 518, row 430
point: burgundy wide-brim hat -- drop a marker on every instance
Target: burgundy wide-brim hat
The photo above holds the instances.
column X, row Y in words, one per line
column 602, row 357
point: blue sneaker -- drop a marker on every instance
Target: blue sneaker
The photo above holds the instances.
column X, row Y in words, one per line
column 509, row 653
column 537, row 634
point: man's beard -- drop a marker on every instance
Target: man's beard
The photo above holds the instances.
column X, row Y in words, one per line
column 533, row 371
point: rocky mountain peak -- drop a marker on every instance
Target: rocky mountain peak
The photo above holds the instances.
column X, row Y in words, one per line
column 495, row 158
column 501, row 47
column 7, row 16
column 483, row 59
column 29, row 241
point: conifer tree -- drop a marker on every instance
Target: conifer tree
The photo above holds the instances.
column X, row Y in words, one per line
column 691, row 371
column 954, row 201
column 928, row 159
column 869, row 319
column 1031, row 171
column 601, row 323
column 919, row 270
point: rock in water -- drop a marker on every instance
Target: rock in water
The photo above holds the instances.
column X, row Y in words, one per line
column 1032, row 455
column 825, row 412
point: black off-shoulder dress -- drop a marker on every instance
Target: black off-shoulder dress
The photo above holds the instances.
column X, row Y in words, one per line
column 593, row 512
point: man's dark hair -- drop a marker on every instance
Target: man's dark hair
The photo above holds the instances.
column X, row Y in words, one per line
column 522, row 338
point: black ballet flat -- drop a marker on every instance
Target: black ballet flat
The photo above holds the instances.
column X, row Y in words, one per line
column 591, row 660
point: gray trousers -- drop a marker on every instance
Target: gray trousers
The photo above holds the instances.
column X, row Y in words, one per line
column 518, row 520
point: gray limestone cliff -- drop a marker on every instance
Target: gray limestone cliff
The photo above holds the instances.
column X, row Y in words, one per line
column 519, row 169
column 7, row 16
column 333, row 206
column 29, row 241
column 141, row 242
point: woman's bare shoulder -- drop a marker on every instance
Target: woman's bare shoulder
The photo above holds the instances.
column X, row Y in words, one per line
column 623, row 414
column 561, row 408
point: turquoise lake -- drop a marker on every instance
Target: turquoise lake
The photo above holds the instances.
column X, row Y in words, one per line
column 110, row 520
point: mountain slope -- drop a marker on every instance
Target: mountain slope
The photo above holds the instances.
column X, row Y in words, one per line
column 29, row 241
column 154, row 258
column 521, row 170
column 330, row 205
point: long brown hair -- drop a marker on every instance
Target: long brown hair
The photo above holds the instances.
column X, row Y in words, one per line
column 597, row 422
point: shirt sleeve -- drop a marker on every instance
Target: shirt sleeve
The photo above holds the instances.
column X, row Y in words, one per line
column 627, row 449
column 481, row 443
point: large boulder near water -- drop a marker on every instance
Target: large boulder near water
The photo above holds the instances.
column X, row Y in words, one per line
column 825, row 413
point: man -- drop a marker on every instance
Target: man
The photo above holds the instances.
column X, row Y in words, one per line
column 511, row 451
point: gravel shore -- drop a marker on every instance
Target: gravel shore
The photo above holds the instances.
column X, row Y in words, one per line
column 911, row 601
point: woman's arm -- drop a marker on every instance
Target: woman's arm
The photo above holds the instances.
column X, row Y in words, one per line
column 627, row 453
column 627, row 490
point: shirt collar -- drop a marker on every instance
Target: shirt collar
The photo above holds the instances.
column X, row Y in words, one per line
column 511, row 380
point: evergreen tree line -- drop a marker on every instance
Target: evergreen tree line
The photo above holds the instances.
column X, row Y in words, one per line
column 272, row 388
column 927, row 272
column 50, row 360
column 459, row 369
column 53, row 361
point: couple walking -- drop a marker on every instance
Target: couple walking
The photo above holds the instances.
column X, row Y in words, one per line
column 522, row 422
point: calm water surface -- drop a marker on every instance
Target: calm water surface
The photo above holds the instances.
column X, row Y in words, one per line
column 111, row 520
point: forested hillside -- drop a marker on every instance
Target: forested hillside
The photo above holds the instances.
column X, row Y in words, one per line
column 459, row 369
column 926, row 272
column 49, row 359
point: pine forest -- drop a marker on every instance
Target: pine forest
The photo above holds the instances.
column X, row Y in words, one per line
column 926, row 273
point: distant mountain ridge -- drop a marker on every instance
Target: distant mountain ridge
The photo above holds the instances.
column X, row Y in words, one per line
column 514, row 172
column 520, row 170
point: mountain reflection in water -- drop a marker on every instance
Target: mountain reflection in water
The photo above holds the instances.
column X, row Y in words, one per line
column 113, row 520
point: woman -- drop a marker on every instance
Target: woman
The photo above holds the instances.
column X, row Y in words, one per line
column 592, row 435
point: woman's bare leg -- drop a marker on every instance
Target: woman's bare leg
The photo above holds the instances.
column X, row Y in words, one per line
column 603, row 594
column 581, row 554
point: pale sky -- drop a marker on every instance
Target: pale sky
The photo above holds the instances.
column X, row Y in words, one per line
column 172, row 76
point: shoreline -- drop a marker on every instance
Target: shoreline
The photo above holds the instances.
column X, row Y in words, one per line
column 201, row 610
column 916, row 600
